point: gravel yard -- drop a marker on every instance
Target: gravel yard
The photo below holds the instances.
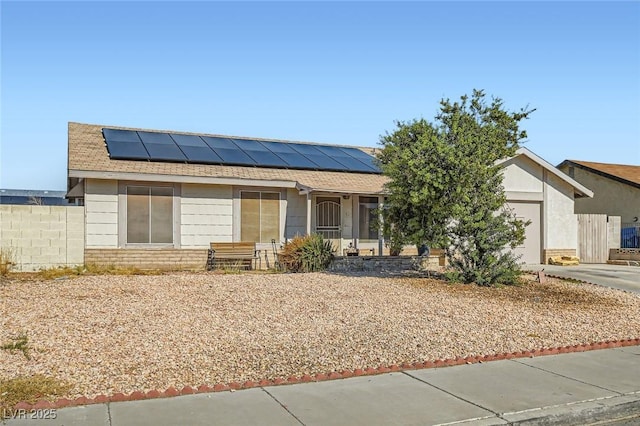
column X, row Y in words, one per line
column 107, row 334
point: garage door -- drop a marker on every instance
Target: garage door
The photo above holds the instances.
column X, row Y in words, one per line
column 530, row 250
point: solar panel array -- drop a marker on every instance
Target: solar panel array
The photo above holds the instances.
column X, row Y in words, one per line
column 175, row 147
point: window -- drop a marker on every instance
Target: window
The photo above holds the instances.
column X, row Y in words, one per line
column 259, row 216
column 368, row 218
column 149, row 215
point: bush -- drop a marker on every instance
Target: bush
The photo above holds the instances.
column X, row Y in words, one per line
column 29, row 389
column 7, row 260
column 310, row 253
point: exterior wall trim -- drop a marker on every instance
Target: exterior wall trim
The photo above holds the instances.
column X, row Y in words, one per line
column 548, row 167
column 180, row 179
column 524, row 196
column 122, row 214
column 237, row 219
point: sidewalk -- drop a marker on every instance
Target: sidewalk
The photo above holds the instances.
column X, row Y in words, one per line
column 577, row 388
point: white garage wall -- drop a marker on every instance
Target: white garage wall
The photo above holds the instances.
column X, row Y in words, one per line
column 206, row 215
column 522, row 175
column 561, row 223
column 101, row 208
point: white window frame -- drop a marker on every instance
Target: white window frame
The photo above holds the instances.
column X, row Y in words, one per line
column 122, row 214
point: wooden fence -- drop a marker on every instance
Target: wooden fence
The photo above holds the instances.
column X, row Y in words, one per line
column 593, row 236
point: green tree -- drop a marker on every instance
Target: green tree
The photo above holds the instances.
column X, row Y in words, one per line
column 445, row 187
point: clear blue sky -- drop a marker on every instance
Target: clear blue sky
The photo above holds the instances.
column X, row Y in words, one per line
column 321, row 72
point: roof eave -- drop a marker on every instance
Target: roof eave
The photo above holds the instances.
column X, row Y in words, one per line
column 151, row 177
column 599, row 173
column 579, row 189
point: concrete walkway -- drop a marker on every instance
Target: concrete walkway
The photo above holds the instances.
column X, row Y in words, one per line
column 617, row 276
column 578, row 388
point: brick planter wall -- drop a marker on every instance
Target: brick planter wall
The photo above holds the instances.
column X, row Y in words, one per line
column 168, row 259
column 624, row 254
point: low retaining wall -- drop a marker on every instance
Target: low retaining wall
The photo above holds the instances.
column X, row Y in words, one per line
column 167, row 259
column 383, row 263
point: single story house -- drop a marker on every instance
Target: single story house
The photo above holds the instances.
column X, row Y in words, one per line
column 158, row 198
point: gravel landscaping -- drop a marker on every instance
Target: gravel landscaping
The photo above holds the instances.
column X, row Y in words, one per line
column 107, row 334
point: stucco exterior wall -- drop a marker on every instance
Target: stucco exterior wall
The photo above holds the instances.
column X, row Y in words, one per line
column 206, row 215
column 522, row 175
column 348, row 210
column 296, row 217
column 561, row 230
column 609, row 196
column 101, row 210
column 42, row 236
column 525, row 181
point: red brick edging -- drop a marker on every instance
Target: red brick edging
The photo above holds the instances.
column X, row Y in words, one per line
column 221, row 387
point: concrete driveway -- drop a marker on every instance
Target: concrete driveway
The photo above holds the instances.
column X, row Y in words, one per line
column 616, row 276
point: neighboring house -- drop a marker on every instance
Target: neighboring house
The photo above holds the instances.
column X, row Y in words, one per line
column 159, row 197
column 33, row 197
column 616, row 190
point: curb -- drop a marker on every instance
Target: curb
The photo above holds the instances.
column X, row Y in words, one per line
column 333, row 375
column 576, row 280
column 603, row 411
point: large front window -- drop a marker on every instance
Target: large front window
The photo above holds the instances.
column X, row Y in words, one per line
column 260, row 216
column 368, row 218
column 149, row 215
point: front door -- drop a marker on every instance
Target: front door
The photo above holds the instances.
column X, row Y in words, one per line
column 328, row 220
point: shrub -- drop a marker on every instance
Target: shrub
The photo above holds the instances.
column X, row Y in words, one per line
column 7, row 260
column 20, row 343
column 29, row 389
column 310, row 253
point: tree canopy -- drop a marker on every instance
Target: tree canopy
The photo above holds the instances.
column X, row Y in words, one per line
column 445, row 187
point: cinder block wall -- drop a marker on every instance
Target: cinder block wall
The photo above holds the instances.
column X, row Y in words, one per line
column 42, row 236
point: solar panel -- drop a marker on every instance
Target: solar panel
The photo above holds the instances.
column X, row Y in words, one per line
column 166, row 152
column 124, row 145
column 159, row 138
column 201, row 154
column 228, row 151
column 223, row 143
column 260, row 154
column 292, row 157
column 352, row 164
column 367, row 159
column 120, row 135
column 127, row 151
column 158, row 146
column 188, row 140
column 322, row 160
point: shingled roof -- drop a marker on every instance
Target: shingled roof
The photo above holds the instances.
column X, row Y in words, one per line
column 89, row 158
column 623, row 173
